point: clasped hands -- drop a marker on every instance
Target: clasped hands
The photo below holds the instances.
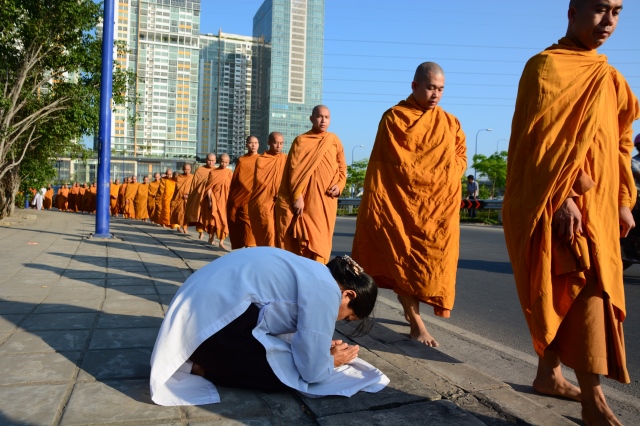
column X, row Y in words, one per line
column 567, row 220
column 343, row 353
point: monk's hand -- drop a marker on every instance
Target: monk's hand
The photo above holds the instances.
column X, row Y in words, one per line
column 567, row 221
column 343, row 353
column 298, row 205
column 334, row 191
column 626, row 222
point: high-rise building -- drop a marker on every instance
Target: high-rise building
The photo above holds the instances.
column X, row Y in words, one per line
column 287, row 76
column 163, row 41
column 224, row 102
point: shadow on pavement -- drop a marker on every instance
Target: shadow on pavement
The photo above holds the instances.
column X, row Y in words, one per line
column 486, row 266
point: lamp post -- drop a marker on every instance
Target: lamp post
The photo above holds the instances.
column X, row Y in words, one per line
column 498, row 143
column 354, row 148
column 476, row 151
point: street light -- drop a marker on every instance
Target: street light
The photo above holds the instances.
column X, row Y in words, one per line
column 354, row 148
column 497, row 143
column 476, row 151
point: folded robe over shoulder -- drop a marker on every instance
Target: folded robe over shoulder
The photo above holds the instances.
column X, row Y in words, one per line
column 178, row 203
column 240, row 233
column 213, row 211
column 408, row 229
column 268, row 176
column 196, row 192
column 573, row 115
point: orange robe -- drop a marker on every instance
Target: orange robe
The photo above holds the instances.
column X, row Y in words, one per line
column 196, row 193
column 151, row 200
column 572, row 124
column 90, row 199
column 129, row 200
column 73, row 198
column 113, row 198
column 240, row 233
column 315, row 163
column 268, row 176
column 62, row 200
column 213, row 210
column 48, row 199
column 408, row 229
column 80, row 199
column 178, row 203
column 167, row 188
column 120, row 203
column 141, row 201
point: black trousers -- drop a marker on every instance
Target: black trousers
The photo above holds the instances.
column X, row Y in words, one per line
column 234, row 358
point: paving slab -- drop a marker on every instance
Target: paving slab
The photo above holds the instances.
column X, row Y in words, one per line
column 10, row 323
column 58, row 305
column 123, row 338
column 520, row 407
column 137, row 306
column 45, row 341
column 129, row 281
column 116, row 364
column 37, row 368
column 15, row 307
column 59, row 321
column 31, row 404
column 107, row 320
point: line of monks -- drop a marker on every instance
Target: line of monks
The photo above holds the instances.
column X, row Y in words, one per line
column 78, row 198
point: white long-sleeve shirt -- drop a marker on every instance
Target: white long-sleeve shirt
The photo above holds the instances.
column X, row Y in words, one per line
column 298, row 297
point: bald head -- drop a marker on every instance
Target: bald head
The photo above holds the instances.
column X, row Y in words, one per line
column 320, row 118
column 275, row 142
column 426, row 69
column 252, row 144
column 224, row 161
column 592, row 22
column 428, row 85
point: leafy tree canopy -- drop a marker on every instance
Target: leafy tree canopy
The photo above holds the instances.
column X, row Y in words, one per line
column 355, row 177
column 493, row 167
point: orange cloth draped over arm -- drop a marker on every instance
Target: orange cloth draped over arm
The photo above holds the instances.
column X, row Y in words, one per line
column 573, row 116
column 408, row 228
column 113, row 198
column 315, row 163
column 167, row 188
column 196, row 192
column 240, row 233
column 213, row 209
column 268, row 176
column 178, row 203
column 151, row 199
column 141, row 201
column 129, row 200
column 48, row 199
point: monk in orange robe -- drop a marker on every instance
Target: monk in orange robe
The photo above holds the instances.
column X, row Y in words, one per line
column 268, row 176
column 62, row 199
column 48, row 198
column 73, row 195
column 567, row 203
column 120, row 204
column 240, row 233
column 408, row 228
column 167, row 188
column 213, row 209
column 180, row 197
column 196, row 194
column 129, row 198
column 141, row 200
column 313, row 178
column 152, row 205
column 90, row 198
column 80, row 198
column 113, row 196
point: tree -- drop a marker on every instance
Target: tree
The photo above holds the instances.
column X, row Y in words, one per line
column 50, row 61
column 355, row 177
column 493, row 168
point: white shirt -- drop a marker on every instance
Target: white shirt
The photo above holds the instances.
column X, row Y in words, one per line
column 299, row 300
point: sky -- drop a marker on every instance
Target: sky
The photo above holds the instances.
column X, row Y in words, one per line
column 372, row 48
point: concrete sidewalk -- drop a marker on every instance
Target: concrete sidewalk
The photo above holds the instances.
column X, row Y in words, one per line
column 79, row 317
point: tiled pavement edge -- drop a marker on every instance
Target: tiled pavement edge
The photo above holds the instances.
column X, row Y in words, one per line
column 79, row 317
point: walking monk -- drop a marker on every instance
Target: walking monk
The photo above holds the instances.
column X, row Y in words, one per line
column 567, row 203
column 213, row 208
column 48, row 198
column 314, row 176
column 129, row 198
column 141, row 200
column 152, row 205
column 196, row 193
column 114, row 188
column 179, row 201
column 120, row 204
column 165, row 194
column 269, row 169
column 240, row 233
column 408, row 228
column 62, row 200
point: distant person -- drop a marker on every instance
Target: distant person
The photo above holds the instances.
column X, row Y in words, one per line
column 213, row 207
column 567, row 203
column 408, row 227
column 62, row 198
column 240, row 233
column 196, row 194
column 165, row 194
column 179, row 200
column 130, row 197
column 268, row 177
column 314, row 176
column 47, row 203
column 472, row 193
column 141, row 200
column 153, row 202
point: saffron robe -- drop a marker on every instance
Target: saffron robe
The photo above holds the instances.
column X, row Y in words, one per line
column 141, row 201
column 573, row 118
column 167, row 188
column 120, row 203
column 152, row 205
column 213, row 208
column 196, row 193
column 240, row 233
column 48, row 199
column 178, row 203
column 315, row 163
column 62, row 200
column 114, row 189
column 268, row 176
column 80, row 200
column 90, row 195
column 129, row 200
column 73, row 198
column 408, row 228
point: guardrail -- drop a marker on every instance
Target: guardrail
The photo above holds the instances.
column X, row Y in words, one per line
column 464, row 204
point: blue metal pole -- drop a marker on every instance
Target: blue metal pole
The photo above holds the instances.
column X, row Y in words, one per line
column 104, row 132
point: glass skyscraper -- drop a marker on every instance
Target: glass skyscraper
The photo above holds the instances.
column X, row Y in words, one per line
column 287, row 70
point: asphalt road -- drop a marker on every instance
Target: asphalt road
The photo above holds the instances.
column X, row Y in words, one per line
column 487, row 302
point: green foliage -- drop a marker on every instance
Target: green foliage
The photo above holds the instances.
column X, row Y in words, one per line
column 493, row 168
column 483, row 192
column 355, row 177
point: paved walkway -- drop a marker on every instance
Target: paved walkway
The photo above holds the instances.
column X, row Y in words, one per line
column 79, row 317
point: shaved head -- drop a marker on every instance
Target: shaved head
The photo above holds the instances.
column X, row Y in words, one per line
column 225, row 157
column 211, row 156
column 426, row 69
column 316, row 110
column 273, row 135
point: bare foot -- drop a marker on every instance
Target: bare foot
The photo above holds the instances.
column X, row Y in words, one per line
column 406, row 316
column 211, row 239
column 418, row 331
column 184, row 230
column 595, row 410
column 555, row 386
column 598, row 414
column 197, row 370
column 199, row 235
column 423, row 336
column 222, row 246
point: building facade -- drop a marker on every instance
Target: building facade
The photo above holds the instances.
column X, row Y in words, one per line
column 225, row 93
column 288, row 61
column 163, row 41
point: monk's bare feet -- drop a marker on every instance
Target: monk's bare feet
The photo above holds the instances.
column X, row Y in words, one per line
column 595, row 410
column 555, row 386
column 199, row 235
column 197, row 370
column 599, row 415
column 418, row 331
column 222, row 246
column 210, row 239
